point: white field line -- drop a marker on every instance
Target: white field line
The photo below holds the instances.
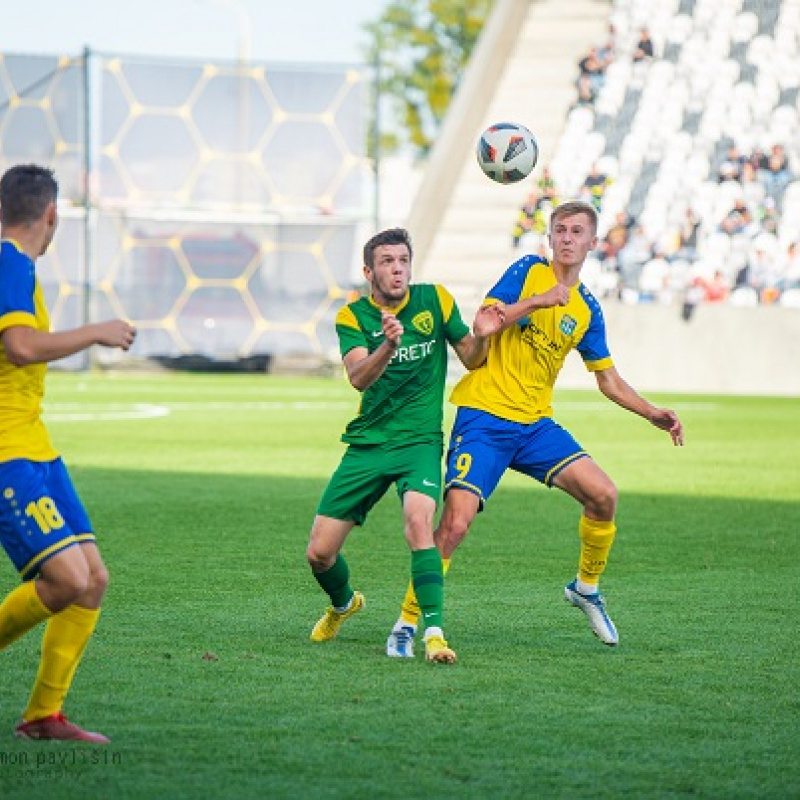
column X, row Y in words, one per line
column 95, row 412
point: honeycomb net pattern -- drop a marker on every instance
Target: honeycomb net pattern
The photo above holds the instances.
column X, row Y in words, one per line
column 225, row 202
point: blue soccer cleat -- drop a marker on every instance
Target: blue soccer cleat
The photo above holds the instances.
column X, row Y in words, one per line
column 593, row 606
column 400, row 643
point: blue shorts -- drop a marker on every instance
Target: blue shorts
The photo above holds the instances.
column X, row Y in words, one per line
column 40, row 513
column 483, row 447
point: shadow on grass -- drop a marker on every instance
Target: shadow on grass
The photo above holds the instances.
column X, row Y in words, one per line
column 202, row 672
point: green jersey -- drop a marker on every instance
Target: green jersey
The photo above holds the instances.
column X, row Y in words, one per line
column 405, row 403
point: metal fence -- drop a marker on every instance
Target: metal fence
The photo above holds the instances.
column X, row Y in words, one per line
column 218, row 206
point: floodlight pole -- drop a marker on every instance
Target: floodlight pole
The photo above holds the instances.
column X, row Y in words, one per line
column 244, row 38
column 376, row 142
column 243, row 55
column 89, row 220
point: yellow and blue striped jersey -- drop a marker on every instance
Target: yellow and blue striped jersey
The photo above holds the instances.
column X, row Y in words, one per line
column 405, row 405
column 516, row 381
column 22, row 431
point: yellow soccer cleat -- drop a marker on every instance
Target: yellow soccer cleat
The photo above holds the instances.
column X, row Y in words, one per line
column 330, row 623
column 437, row 651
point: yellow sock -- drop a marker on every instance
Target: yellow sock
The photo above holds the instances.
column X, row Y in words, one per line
column 409, row 611
column 65, row 639
column 596, row 540
column 21, row 611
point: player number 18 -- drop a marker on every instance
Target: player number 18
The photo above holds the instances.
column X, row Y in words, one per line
column 45, row 514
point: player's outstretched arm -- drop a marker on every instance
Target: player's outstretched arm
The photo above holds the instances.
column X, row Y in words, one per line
column 473, row 348
column 25, row 345
column 615, row 388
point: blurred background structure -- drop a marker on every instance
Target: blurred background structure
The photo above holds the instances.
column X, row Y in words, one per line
column 217, row 205
column 222, row 205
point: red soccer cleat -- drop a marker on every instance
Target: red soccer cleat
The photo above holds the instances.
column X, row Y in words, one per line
column 57, row 726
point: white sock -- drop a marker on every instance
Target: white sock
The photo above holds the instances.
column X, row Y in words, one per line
column 342, row 609
column 586, row 588
column 434, row 631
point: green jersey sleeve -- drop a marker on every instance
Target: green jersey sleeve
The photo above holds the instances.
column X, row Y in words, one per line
column 454, row 327
column 349, row 331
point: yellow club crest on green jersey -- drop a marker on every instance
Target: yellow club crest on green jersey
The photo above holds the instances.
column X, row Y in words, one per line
column 423, row 322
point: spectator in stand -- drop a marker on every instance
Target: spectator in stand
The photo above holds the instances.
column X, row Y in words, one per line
column 758, row 159
column 760, row 272
column 586, row 92
column 752, row 188
column 715, row 290
column 775, row 173
column 615, row 239
column 644, row 47
column 607, row 51
column 632, row 257
column 534, row 216
column 787, row 268
column 594, row 187
column 737, row 220
column 546, row 181
column 768, row 217
column 544, row 207
column 687, row 236
column 524, row 222
column 591, row 67
column 731, row 167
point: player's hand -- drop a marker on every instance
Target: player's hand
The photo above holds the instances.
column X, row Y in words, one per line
column 392, row 329
column 489, row 320
column 668, row 421
column 116, row 333
column 557, row 296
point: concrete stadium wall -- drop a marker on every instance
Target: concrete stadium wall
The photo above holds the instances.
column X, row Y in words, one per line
column 721, row 349
column 468, row 107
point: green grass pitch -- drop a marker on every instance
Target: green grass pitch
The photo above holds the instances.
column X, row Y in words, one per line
column 203, row 488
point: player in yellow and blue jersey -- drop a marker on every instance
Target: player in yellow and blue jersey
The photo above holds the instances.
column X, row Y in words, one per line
column 44, row 528
column 394, row 348
column 505, row 417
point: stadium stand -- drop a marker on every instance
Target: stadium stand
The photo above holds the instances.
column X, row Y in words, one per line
column 724, row 78
column 723, row 73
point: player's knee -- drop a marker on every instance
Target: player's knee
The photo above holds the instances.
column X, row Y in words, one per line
column 67, row 588
column 419, row 530
column 451, row 532
column 318, row 560
column 98, row 582
column 603, row 501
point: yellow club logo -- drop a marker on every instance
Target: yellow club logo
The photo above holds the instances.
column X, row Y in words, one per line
column 423, row 322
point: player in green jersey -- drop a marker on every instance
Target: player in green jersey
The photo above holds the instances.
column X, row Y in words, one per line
column 394, row 348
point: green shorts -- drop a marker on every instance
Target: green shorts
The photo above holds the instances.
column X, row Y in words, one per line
column 365, row 473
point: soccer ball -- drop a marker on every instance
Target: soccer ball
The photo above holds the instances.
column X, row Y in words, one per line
column 507, row 152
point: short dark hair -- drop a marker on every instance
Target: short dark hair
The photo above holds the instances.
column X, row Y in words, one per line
column 25, row 192
column 390, row 236
column 572, row 207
